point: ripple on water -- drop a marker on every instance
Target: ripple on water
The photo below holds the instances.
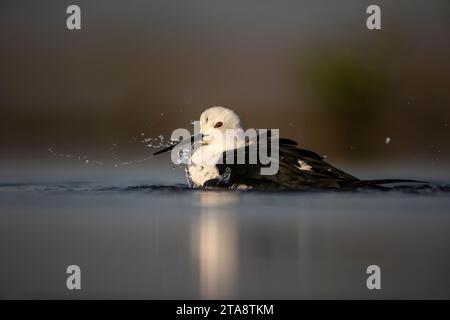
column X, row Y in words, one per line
column 84, row 187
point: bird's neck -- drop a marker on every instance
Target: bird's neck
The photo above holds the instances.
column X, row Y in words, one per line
column 206, row 155
column 212, row 152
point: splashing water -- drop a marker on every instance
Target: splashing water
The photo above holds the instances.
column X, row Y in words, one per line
column 116, row 161
column 81, row 158
column 183, row 156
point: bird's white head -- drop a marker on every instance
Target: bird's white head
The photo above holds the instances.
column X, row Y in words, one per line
column 216, row 123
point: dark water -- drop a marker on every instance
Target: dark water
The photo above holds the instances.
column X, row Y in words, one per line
column 156, row 241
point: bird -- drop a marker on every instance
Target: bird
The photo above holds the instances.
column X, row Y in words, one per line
column 298, row 169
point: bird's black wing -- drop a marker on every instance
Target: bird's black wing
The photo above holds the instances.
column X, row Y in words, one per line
column 298, row 169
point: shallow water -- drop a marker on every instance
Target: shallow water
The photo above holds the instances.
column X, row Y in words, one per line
column 156, row 241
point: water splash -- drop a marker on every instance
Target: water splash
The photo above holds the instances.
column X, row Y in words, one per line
column 183, row 156
column 81, row 158
column 116, row 160
column 158, row 142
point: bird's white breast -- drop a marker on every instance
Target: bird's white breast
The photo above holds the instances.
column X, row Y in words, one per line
column 199, row 174
column 202, row 165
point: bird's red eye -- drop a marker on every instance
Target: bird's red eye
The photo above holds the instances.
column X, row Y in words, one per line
column 218, row 124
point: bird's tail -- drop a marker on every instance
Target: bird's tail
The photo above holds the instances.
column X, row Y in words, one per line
column 380, row 182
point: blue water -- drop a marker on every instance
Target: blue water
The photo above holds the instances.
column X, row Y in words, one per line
column 135, row 240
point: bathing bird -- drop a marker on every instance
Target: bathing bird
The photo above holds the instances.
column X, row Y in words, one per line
column 297, row 168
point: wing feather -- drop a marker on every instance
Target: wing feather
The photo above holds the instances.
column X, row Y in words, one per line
column 290, row 175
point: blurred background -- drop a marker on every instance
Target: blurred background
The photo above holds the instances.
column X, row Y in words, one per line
column 138, row 69
column 81, row 107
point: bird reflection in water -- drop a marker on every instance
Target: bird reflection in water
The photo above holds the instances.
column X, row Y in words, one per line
column 215, row 244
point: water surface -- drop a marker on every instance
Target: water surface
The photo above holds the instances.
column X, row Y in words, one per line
column 154, row 241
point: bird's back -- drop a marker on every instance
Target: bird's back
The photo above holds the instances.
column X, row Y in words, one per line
column 297, row 169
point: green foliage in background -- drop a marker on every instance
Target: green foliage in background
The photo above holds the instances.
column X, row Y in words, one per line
column 348, row 89
column 348, row 92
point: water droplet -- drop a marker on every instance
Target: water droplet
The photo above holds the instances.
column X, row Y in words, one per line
column 387, row 140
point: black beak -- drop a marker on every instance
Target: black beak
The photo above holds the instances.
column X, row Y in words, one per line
column 169, row 148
